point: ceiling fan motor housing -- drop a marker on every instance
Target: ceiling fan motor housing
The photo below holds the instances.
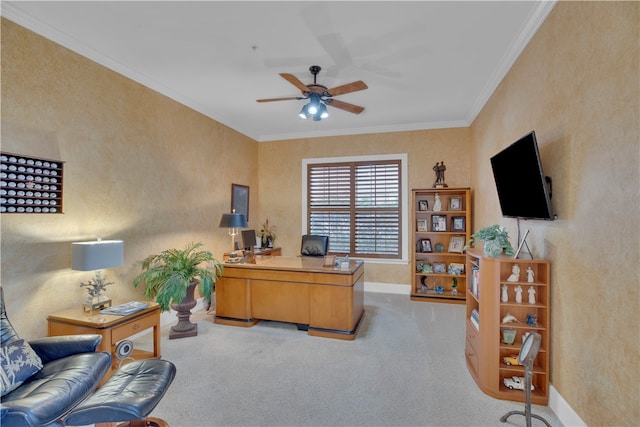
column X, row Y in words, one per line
column 315, row 69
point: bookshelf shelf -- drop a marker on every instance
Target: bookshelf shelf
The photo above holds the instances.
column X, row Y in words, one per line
column 485, row 310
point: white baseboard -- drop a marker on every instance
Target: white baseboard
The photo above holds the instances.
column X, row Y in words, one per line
column 389, row 288
column 563, row 411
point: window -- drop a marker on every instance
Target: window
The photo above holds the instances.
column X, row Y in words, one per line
column 358, row 205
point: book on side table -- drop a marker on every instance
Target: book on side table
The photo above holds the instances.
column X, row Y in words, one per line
column 125, row 309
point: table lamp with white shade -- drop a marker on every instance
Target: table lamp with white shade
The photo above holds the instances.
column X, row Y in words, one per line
column 96, row 255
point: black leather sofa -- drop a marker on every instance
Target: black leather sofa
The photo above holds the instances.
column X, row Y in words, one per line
column 71, row 371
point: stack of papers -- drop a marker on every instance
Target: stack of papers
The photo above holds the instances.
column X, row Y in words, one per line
column 125, row 309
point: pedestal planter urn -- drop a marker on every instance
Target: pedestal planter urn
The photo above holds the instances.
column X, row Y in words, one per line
column 171, row 277
column 184, row 327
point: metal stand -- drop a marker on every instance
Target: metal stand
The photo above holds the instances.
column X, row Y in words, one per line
column 522, row 243
column 526, row 358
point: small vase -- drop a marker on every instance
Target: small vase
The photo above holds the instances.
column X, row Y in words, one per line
column 492, row 248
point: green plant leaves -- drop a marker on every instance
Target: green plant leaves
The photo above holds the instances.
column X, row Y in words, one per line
column 167, row 275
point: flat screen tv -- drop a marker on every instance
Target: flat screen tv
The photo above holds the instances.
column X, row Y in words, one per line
column 521, row 183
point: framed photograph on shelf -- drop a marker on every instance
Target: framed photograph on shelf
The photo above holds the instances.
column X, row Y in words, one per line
column 240, row 200
column 425, row 245
column 423, row 205
column 456, row 244
column 458, row 223
column 438, row 223
column 455, row 203
column 439, row 267
column 421, row 225
column 455, row 268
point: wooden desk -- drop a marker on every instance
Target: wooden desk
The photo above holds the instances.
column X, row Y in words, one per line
column 257, row 252
column 324, row 301
column 112, row 328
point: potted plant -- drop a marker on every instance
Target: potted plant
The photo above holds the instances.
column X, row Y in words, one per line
column 267, row 234
column 171, row 278
column 496, row 240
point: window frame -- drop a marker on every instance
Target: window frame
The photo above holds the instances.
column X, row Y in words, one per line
column 404, row 211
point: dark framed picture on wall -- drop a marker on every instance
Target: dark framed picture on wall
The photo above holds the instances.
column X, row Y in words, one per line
column 240, row 200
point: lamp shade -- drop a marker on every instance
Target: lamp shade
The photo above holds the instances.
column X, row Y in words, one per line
column 233, row 220
column 97, row 254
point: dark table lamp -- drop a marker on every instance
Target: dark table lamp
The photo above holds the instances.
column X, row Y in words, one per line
column 95, row 255
column 233, row 221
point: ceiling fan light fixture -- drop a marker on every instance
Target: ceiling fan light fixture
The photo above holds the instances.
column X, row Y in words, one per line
column 314, row 104
column 316, row 109
column 322, row 111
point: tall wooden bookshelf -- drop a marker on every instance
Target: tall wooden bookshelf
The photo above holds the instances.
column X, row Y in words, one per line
column 486, row 348
column 439, row 235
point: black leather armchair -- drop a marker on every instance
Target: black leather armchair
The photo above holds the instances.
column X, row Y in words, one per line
column 71, row 371
column 314, row 245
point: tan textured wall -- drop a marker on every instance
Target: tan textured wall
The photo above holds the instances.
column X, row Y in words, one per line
column 280, row 184
column 145, row 169
column 576, row 84
column 139, row 167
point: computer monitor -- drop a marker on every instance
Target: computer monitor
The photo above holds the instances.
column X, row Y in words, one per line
column 248, row 239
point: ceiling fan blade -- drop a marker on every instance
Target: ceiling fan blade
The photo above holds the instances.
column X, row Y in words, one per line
column 349, row 87
column 355, row 109
column 277, row 99
column 295, row 81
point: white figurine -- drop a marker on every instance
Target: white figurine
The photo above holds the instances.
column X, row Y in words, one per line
column 505, row 294
column 437, row 205
column 515, row 274
column 508, row 318
column 529, row 275
column 532, row 295
column 518, row 294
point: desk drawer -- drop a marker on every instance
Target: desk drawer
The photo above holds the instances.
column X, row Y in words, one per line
column 138, row 325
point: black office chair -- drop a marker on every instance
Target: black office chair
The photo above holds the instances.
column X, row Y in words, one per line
column 314, row 245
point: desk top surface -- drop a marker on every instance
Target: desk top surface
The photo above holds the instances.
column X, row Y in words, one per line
column 297, row 263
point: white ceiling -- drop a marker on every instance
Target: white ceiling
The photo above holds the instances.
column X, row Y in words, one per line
column 428, row 64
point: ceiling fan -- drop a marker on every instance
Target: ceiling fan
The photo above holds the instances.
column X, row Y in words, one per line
column 320, row 96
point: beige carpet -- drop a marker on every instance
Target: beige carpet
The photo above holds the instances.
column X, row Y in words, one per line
column 405, row 368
